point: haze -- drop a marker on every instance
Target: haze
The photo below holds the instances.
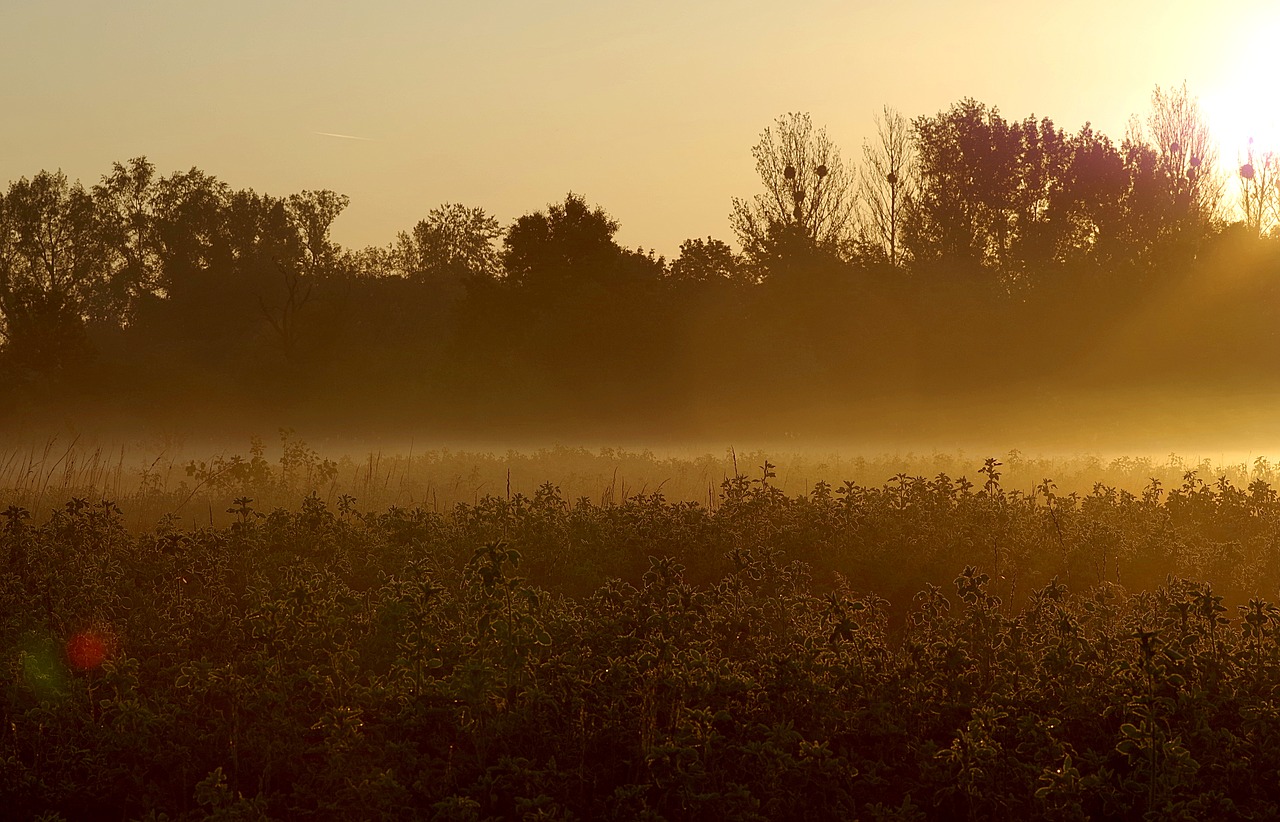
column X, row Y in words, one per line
column 536, row 222
column 647, row 108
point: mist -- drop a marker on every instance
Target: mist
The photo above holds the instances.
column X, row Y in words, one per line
column 953, row 470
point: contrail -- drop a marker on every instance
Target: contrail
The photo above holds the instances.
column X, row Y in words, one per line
column 343, row 136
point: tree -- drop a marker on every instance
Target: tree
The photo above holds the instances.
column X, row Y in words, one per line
column 570, row 290
column 259, row 229
column 53, row 246
column 189, row 228
column 312, row 214
column 1259, row 195
column 283, row 314
column 1175, row 189
column 374, row 262
column 1094, row 226
column 1014, row 198
column 1043, row 213
column 53, row 274
column 968, row 166
column 453, row 242
column 127, row 205
column 1188, row 154
column 886, row 186
column 568, row 241
column 710, row 260
column 809, row 194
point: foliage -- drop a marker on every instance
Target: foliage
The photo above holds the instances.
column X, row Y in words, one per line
column 453, row 242
column 709, row 260
column 533, row 657
column 886, row 187
column 547, row 249
column 1007, row 258
column 808, row 194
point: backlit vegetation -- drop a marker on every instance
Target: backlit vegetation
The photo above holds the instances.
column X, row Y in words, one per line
column 925, row 647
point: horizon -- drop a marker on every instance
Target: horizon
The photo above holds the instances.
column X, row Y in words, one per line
column 650, row 113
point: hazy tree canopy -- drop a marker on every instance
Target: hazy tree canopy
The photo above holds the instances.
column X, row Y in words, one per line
column 376, row 262
column 128, row 219
column 1175, row 191
column 190, row 225
column 312, row 214
column 1019, row 199
column 258, row 228
column 886, row 187
column 453, row 242
column 710, row 260
column 54, row 273
column 568, row 240
column 54, row 248
column 1259, row 197
column 1093, row 199
column 1188, row 153
column 809, row 193
column 969, row 170
column 984, row 250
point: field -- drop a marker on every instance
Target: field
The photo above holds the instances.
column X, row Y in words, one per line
column 674, row 428
column 451, row 647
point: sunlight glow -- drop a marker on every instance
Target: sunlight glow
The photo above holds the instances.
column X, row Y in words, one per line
column 1246, row 102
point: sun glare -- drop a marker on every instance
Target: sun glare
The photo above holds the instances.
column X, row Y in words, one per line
column 1245, row 104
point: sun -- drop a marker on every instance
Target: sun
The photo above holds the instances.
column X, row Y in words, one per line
column 1244, row 105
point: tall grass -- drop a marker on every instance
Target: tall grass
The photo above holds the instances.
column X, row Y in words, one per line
column 173, row 481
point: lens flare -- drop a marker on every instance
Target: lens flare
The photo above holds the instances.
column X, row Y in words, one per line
column 43, row 672
column 86, row 650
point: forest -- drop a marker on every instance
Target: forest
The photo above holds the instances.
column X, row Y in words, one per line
column 963, row 256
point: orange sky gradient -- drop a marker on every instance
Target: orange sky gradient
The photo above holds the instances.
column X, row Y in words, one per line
column 648, row 109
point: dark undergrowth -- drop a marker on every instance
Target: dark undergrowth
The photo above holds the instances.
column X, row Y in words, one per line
column 929, row 648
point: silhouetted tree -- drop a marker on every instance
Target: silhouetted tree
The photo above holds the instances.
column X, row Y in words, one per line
column 1174, row 195
column 1019, row 199
column 886, row 186
column 128, row 219
column 809, row 194
column 575, row 310
column 1188, row 154
column 710, row 260
column 283, row 311
column 453, row 242
column 190, row 226
column 312, row 214
column 1093, row 199
column 1043, row 217
column 1259, row 197
column 969, row 176
column 374, row 262
column 259, row 228
column 249, row 283
column 567, row 243
column 53, row 273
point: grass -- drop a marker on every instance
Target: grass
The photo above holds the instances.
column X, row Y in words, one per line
column 172, row 479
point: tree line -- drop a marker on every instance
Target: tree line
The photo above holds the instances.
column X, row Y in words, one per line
column 963, row 251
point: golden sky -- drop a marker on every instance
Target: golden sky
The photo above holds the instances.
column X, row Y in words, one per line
column 647, row 108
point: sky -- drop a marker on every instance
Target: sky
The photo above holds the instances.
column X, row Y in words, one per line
column 649, row 109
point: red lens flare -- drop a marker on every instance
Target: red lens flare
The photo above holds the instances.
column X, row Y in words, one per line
column 86, row 650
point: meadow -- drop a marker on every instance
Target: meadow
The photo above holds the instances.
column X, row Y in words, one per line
column 286, row 626
column 976, row 644
column 151, row 479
